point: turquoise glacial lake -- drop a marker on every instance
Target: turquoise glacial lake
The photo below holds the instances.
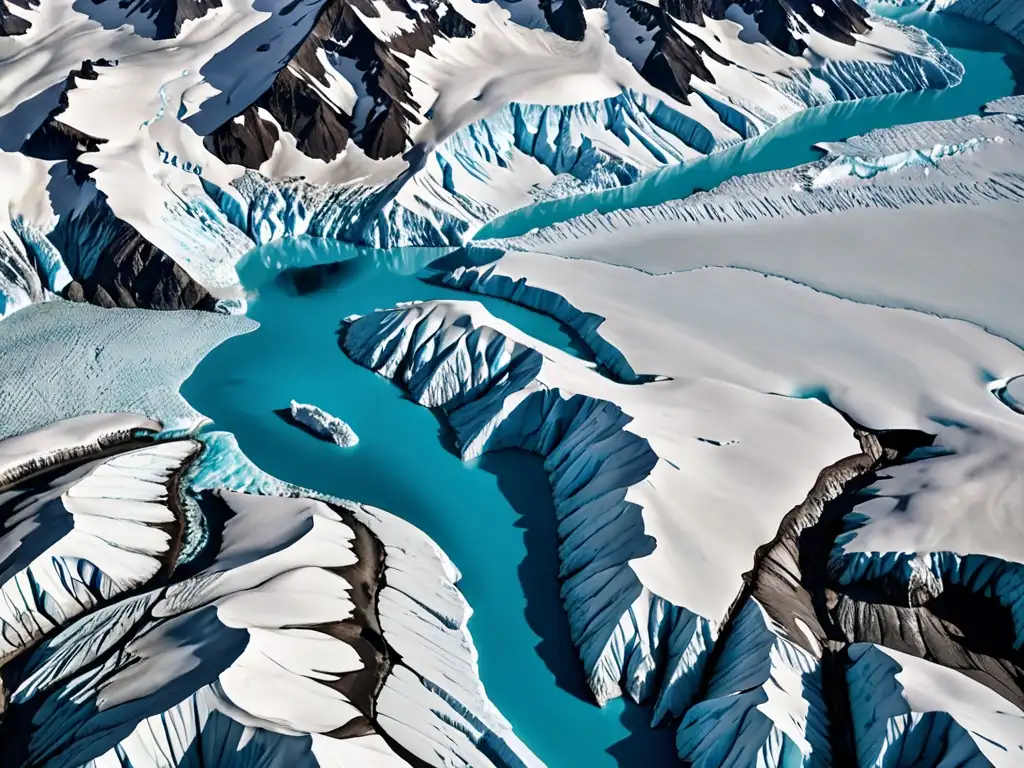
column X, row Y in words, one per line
column 494, row 517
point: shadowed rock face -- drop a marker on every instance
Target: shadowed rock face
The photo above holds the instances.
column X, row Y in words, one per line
column 54, row 140
column 322, row 131
column 11, row 24
column 132, row 272
column 970, row 632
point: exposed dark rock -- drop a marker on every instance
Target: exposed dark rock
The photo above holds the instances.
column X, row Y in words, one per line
column 247, row 140
column 385, row 114
column 132, row 272
column 12, row 24
column 565, row 17
column 382, row 120
column 166, row 16
column 961, row 629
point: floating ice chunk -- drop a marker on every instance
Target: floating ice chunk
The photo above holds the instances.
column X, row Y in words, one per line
column 322, row 423
column 847, row 166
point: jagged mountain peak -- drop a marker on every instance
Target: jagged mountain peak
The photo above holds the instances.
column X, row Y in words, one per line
column 155, row 19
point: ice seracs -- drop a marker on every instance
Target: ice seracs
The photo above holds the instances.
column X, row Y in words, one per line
column 386, row 124
column 180, row 593
column 910, row 711
column 323, row 424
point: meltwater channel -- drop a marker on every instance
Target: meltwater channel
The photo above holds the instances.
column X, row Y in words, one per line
column 494, row 517
column 994, row 64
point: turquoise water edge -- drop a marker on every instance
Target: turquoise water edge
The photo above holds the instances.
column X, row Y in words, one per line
column 494, row 517
column 994, row 65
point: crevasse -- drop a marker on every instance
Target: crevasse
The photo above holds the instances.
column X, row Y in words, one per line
column 627, row 637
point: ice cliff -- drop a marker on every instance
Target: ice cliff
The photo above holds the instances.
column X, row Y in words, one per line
column 970, row 160
column 751, row 664
column 1007, row 15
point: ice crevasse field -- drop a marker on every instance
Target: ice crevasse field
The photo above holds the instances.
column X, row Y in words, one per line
column 493, row 516
column 709, row 458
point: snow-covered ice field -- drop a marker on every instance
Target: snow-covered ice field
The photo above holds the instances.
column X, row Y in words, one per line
column 783, row 443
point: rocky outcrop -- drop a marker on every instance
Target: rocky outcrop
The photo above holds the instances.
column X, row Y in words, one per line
column 132, row 272
column 384, row 114
column 12, row 23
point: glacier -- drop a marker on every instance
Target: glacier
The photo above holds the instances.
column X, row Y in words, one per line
column 1003, row 14
column 500, row 389
column 761, row 484
column 972, row 160
column 909, row 711
column 176, row 177
column 113, row 563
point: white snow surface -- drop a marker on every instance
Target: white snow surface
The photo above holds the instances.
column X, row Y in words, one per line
column 154, row 100
column 324, row 424
column 77, row 435
column 705, row 527
column 893, row 695
column 102, row 527
column 841, row 239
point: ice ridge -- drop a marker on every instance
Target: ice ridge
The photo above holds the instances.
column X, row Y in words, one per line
column 627, row 637
column 969, row 160
column 1007, row 15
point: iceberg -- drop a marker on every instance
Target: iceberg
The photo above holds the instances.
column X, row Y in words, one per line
column 180, row 593
column 324, row 424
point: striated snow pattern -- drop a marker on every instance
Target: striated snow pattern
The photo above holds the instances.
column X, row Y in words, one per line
column 970, row 160
column 383, row 123
column 1007, row 15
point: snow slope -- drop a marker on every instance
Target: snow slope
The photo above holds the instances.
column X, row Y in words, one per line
column 164, row 598
column 162, row 141
column 732, row 343
column 908, row 711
